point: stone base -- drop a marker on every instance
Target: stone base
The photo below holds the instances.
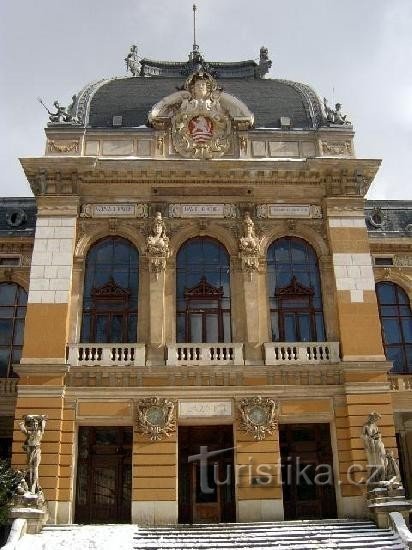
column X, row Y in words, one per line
column 384, row 498
column 153, row 512
column 259, row 510
column 32, row 508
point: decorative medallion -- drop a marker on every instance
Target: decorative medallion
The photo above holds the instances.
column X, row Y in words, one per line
column 155, row 417
column 201, row 117
column 259, row 416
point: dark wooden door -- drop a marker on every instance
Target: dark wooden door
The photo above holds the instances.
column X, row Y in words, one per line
column 307, row 471
column 104, row 475
column 206, row 487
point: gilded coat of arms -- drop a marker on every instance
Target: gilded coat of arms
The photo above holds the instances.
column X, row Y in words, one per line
column 258, row 416
column 155, row 417
column 201, row 117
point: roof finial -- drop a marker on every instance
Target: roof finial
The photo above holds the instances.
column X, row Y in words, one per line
column 195, row 46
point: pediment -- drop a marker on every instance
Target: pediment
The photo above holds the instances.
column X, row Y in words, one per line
column 204, row 289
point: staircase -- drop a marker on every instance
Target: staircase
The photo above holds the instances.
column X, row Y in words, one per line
column 299, row 535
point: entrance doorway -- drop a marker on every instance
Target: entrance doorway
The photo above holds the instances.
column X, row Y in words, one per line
column 307, row 471
column 104, row 475
column 206, row 474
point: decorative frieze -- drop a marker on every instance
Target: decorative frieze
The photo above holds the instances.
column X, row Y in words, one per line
column 288, row 211
column 114, row 210
column 190, row 210
column 402, row 261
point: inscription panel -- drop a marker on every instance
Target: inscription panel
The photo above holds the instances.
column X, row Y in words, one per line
column 288, row 211
column 202, row 210
column 205, row 408
column 125, row 210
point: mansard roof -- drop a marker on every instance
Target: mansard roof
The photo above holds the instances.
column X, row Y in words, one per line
column 17, row 216
column 133, row 97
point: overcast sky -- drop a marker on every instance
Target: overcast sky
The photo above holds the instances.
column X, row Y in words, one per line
column 358, row 52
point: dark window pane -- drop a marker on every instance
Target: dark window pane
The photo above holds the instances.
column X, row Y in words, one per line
column 290, row 332
column 396, row 322
column 396, row 354
column 294, row 286
column 407, row 330
column 112, row 259
column 18, row 332
column 212, row 332
column 391, row 330
column 197, row 259
column 7, row 294
column 304, row 328
column 386, row 293
column 4, row 362
column 6, row 331
column 7, row 312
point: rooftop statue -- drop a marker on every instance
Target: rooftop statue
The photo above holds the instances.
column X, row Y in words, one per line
column 132, row 61
column 334, row 116
column 264, row 62
column 63, row 114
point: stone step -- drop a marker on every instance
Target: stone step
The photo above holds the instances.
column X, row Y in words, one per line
column 294, row 535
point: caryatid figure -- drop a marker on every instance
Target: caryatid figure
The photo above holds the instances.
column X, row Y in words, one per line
column 33, row 427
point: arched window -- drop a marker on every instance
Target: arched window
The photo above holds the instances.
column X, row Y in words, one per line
column 111, row 286
column 396, row 322
column 13, row 301
column 203, row 292
column 295, row 297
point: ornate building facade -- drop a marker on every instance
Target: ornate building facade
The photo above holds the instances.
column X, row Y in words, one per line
column 202, row 303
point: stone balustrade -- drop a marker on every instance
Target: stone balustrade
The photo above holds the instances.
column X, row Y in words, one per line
column 400, row 382
column 204, row 354
column 127, row 355
column 281, row 353
column 8, row 386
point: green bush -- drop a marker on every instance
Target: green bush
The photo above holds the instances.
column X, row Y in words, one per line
column 9, row 480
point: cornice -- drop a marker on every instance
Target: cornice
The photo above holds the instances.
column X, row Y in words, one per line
column 62, row 175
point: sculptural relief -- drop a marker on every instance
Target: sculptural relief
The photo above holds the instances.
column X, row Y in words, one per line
column 157, row 245
column 33, row 427
column 258, row 416
column 249, row 245
column 201, row 117
column 155, row 417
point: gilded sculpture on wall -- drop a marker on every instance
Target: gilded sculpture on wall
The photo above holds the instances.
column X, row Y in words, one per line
column 157, row 245
column 33, row 427
column 249, row 245
column 155, row 417
column 258, row 416
column 201, row 117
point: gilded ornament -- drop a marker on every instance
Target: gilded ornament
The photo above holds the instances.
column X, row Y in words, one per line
column 63, row 146
column 201, row 117
column 155, row 417
column 258, row 416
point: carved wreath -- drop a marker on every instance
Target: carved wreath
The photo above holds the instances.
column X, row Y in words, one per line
column 258, row 416
column 155, row 417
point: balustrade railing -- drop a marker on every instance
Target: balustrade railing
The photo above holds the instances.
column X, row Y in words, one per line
column 205, row 354
column 400, row 382
column 132, row 355
column 8, row 386
column 281, row 353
